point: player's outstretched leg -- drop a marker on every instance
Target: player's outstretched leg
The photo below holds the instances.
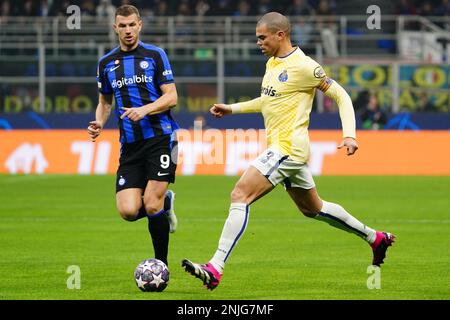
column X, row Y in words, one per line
column 169, row 202
column 312, row 206
column 250, row 187
column 338, row 217
column 380, row 245
column 205, row 272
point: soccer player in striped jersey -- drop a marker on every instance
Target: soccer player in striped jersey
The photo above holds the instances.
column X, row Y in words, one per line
column 139, row 77
column 287, row 93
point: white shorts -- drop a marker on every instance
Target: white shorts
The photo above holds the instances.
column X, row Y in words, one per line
column 277, row 168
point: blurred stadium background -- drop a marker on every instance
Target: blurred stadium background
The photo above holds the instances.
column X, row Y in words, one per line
column 48, row 68
column 395, row 68
column 398, row 76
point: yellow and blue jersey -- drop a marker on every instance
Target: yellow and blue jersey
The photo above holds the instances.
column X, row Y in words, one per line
column 287, row 95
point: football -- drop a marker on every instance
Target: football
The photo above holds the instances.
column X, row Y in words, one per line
column 151, row 275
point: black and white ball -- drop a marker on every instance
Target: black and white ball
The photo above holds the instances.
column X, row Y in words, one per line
column 151, row 275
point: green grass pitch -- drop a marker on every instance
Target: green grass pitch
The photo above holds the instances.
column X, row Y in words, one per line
column 50, row 222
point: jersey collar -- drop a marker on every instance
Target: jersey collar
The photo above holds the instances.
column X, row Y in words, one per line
column 283, row 57
column 131, row 51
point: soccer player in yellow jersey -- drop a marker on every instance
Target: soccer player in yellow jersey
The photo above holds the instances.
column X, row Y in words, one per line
column 287, row 93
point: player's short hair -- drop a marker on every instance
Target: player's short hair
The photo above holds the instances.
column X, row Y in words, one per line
column 276, row 22
column 127, row 10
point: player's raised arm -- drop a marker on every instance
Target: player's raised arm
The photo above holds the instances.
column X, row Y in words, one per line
column 333, row 90
column 218, row 110
column 101, row 116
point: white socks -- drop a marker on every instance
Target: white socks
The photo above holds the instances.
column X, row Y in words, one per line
column 237, row 220
column 336, row 216
column 232, row 231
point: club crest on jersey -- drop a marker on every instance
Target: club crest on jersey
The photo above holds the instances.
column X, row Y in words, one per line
column 318, row 72
column 143, row 64
column 116, row 62
column 283, row 77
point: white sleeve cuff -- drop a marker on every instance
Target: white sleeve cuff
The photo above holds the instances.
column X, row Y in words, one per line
column 235, row 108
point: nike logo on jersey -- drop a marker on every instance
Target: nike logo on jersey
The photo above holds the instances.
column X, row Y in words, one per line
column 112, row 69
column 160, row 174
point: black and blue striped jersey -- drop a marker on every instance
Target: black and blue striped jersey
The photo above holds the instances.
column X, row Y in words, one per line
column 135, row 78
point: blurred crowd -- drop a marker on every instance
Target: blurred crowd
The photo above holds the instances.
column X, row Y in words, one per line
column 423, row 8
column 170, row 8
column 209, row 7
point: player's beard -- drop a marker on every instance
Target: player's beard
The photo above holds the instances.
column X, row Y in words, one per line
column 129, row 43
